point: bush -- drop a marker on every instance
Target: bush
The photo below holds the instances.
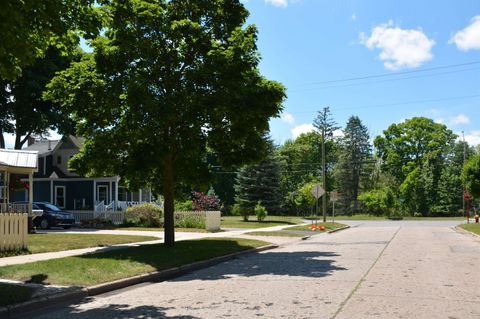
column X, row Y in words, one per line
column 204, row 202
column 378, row 201
column 145, row 215
column 260, row 211
column 189, row 221
column 236, row 210
column 185, row 206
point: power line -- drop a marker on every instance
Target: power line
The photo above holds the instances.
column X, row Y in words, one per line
column 381, row 81
column 396, row 103
column 365, row 77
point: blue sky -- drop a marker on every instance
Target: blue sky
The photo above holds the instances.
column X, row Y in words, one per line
column 428, row 54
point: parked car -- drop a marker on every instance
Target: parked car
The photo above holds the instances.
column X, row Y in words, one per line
column 52, row 216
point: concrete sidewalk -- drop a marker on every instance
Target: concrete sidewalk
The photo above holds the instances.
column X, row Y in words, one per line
column 179, row 236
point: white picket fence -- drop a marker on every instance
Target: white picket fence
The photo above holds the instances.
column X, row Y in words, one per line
column 13, row 231
column 115, row 217
column 211, row 219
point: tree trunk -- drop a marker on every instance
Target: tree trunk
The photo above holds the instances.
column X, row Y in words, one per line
column 169, row 209
column 2, row 140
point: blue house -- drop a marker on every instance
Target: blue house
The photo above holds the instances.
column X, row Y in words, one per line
column 55, row 183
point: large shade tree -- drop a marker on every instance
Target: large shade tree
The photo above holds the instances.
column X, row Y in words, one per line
column 24, row 112
column 29, row 27
column 167, row 79
column 414, row 152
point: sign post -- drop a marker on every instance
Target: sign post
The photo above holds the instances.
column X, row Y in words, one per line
column 317, row 192
column 333, row 198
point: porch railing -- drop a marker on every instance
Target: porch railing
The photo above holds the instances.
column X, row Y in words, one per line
column 13, row 208
column 100, row 206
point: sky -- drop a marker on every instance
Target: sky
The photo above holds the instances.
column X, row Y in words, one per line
column 416, row 58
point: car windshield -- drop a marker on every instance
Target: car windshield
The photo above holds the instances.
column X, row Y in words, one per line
column 52, row 207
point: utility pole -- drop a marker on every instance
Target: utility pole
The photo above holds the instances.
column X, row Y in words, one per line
column 324, row 178
column 464, row 158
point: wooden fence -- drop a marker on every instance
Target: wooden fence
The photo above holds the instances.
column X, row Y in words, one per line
column 116, row 217
column 13, row 231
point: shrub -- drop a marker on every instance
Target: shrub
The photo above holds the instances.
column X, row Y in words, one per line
column 202, row 201
column 378, row 201
column 145, row 215
column 236, row 210
column 189, row 221
column 260, row 211
column 184, row 206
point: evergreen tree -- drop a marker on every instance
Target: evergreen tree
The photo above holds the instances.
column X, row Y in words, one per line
column 354, row 162
column 325, row 125
column 259, row 183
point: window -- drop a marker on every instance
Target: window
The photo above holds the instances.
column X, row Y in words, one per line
column 122, row 194
column 60, row 196
column 59, row 160
column 102, row 193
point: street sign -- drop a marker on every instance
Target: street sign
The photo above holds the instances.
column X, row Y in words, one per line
column 334, row 195
column 317, row 191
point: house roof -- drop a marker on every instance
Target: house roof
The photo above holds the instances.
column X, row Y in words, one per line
column 43, row 146
column 18, row 158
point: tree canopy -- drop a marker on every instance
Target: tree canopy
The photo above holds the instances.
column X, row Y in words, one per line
column 29, row 27
column 167, row 79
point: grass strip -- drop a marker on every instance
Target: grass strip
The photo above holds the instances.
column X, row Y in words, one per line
column 274, row 234
column 328, row 226
column 474, row 228
column 12, row 294
column 238, row 222
column 96, row 268
column 41, row 243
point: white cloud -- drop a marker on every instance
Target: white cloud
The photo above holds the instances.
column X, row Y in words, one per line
column 278, row 3
column 303, row 128
column 468, row 38
column 400, row 48
column 459, row 119
column 473, row 138
column 439, row 120
column 288, row 118
column 338, row 133
column 354, row 17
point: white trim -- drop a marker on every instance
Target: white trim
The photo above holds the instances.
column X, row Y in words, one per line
column 51, row 191
column 75, row 179
column 106, row 193
column 64, row 196
column 110, row 191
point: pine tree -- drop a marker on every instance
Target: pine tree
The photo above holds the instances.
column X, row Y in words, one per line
column 325, row 125
column 354, row 163
column 259, row 183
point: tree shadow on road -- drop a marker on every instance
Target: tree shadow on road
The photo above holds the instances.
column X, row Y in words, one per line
column 302, row 264
column 112, row 311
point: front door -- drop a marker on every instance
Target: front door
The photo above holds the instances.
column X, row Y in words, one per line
column 102, row 194
column 60, row 196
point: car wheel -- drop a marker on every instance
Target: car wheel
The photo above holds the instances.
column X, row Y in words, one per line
column 44, row 224
column 67, row 227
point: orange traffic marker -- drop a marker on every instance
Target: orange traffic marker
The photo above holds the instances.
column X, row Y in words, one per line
column 313, row 227
column 321, row 227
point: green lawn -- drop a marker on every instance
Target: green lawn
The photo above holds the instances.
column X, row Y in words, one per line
column 374, row 217
column 274, row 233
column 474, row 228
column 91, row 269
column 41, row 243
column 328, row 226
column 182, row 230
column 12, row 294
column 237, row 221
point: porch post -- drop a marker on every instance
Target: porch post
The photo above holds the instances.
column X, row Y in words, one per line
column 140, row 196
column 116, row 194
column 110, row 199
column 7, row 181
column 30, row 192
column 94, row 194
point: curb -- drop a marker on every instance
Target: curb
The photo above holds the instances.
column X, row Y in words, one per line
column 338, row 229
column 24, row 308
column 466, row 232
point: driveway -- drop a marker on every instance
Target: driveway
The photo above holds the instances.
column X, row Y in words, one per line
column 373, row 270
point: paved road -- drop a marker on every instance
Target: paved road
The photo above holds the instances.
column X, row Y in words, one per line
column 374, row 270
